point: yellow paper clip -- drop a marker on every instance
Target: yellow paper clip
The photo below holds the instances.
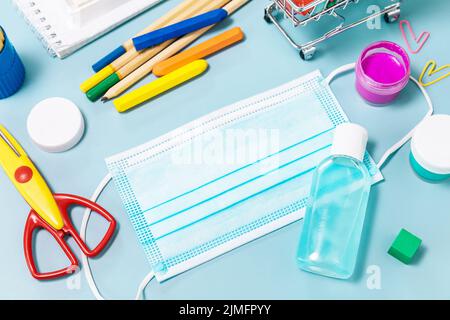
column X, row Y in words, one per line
column 430, row 70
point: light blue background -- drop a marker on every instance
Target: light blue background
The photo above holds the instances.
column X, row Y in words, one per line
column 263, row 269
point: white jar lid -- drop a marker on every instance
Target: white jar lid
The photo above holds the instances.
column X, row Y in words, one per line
column 55, row 124
column 430, row 144
column 350, row 140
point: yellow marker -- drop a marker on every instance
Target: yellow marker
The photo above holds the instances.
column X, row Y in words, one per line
column 160, row 85
column 97, row 78
column 28, row 181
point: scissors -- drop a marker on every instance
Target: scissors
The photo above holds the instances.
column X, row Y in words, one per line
column 48, row 211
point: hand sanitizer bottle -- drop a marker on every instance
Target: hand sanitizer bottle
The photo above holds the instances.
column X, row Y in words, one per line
column 334, row 218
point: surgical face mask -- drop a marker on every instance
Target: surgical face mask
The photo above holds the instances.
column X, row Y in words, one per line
column 229, row 177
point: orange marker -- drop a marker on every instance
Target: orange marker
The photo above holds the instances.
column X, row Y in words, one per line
column 200, row 51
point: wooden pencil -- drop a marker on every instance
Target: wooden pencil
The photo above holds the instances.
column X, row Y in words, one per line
column 128, row 45
column 147, row 67
column 132, row 55
column 2, row 39
column 144, row 56
column 167, row 19
column 107, row 71
column 133, row 59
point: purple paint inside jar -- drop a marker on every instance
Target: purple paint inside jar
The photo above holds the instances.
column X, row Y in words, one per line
column 382, row 72
column 383, row 68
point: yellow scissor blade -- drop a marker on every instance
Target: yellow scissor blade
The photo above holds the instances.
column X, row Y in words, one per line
column 27, row 179
column 10, row 142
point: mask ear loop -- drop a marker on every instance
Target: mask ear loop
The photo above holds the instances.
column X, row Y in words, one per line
column 389, row 152
column 84, row 259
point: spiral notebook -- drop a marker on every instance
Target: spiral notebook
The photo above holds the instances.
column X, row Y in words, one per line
column 65, row 26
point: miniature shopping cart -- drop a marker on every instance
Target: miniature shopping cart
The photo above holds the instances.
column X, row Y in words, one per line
column 313, row 11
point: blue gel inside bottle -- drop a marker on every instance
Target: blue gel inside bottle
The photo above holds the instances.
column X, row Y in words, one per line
column 334, row 218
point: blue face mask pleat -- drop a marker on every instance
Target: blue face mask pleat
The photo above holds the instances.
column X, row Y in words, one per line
column 229, row 177
column 237, row 179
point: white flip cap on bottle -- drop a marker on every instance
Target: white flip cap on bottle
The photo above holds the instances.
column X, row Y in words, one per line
column 350, row 140
column 55, row 124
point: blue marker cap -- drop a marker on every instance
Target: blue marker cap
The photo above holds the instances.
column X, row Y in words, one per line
column 179, row 29
column 12, row 71
column 108, row 59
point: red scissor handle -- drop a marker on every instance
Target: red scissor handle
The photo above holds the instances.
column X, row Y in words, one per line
column 34, row 222
column 65, row 201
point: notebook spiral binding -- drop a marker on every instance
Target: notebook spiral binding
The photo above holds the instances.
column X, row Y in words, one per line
column 37, row 22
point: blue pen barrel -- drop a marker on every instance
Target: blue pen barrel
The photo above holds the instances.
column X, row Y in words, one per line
column 12, row 71
column 179, row 29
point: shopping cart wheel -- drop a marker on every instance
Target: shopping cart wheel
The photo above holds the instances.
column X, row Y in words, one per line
column 392, row 16
column 307, row 53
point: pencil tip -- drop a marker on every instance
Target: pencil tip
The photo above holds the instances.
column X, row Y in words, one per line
column 105, row 99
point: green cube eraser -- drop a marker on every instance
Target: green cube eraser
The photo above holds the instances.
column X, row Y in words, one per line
column 405, row 246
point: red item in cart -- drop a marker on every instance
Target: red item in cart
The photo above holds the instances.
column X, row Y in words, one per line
column 300, row 3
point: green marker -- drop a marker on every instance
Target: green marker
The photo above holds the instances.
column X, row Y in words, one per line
column 99, row 90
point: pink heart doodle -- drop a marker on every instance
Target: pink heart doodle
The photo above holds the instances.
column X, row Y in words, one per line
column 418, row 40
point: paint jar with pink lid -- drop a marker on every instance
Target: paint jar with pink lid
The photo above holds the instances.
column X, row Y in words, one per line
column 382, row 72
